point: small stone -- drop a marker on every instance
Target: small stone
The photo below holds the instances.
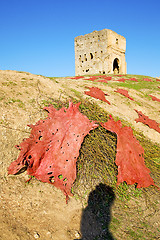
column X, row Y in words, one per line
column 36, row 235
column 77, row 235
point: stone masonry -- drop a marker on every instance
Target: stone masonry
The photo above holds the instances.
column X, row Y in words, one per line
column 100, row 52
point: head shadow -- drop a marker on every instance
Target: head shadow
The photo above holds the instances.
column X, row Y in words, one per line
column 97, row 215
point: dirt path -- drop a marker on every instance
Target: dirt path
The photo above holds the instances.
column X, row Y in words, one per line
column 37, row 210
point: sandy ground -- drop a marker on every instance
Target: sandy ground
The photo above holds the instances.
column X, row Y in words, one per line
column 37, row 210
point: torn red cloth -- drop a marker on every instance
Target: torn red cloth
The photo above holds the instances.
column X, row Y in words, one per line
column 154, row 98
column 97, row 93
column 51, row 151
column 129, row 157
column 133, row 79
column 102, row 80
column 147, row 121
column 121, row 80
column 124, row 93
column 78, row 77
column 147, row 80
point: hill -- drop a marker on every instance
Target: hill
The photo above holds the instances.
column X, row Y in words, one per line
column 38, row 210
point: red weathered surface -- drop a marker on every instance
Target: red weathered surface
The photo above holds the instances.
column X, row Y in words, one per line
column 129, row 157
column 51, row 151
column 97, row 93
column 147, row 80
column 155, row 98
column 124, row 93
column 147, row 121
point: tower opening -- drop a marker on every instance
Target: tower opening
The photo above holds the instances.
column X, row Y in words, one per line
column 116, row 65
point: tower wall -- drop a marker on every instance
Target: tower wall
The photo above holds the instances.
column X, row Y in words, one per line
column 95, row 53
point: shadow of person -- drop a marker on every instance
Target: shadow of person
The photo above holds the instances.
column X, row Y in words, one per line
column 97, row 215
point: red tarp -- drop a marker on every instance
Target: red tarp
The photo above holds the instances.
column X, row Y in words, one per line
column 124, row 93
column 97, row 93
column 51, row 151
column 147, row 121
column 154, row 98
column 129, row 157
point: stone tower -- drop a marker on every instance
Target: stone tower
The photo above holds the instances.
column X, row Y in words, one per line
column 100, row 52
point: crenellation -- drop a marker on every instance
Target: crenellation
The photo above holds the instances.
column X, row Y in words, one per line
column 100, row 52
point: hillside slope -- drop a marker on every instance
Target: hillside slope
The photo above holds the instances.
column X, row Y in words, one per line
column 38, row 210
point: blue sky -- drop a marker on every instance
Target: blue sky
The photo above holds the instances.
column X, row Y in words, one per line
column 37, row 36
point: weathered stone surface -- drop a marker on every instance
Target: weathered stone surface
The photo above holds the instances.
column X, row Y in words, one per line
column 100, row 52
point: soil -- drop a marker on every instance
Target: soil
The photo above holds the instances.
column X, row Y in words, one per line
column 38, row 210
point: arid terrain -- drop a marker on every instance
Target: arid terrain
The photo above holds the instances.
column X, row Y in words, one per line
column 37, row 210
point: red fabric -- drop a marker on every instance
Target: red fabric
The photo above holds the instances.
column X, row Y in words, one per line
column 147, row 121
column 147, row 80
column 133, row 79
column 121, row 80
column 102, row 80
column 107, row 78
column 124, row 93
column 51, row 151
column 129, row 157
column 154, row 98
column 97, row 93
column 93, row 78
column 78, row 77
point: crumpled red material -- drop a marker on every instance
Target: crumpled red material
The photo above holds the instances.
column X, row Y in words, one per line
column 155, row 98
column 129, row 157
column 124, row 93
column 97, row 93
column 147, row 121
column 51, row 151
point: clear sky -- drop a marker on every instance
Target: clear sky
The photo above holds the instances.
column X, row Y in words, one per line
column 37, row 36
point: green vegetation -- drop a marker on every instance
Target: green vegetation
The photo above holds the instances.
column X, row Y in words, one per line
column 13, row 100
column 140, row 85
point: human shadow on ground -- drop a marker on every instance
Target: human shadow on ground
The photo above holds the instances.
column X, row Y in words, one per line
column 97, row 215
